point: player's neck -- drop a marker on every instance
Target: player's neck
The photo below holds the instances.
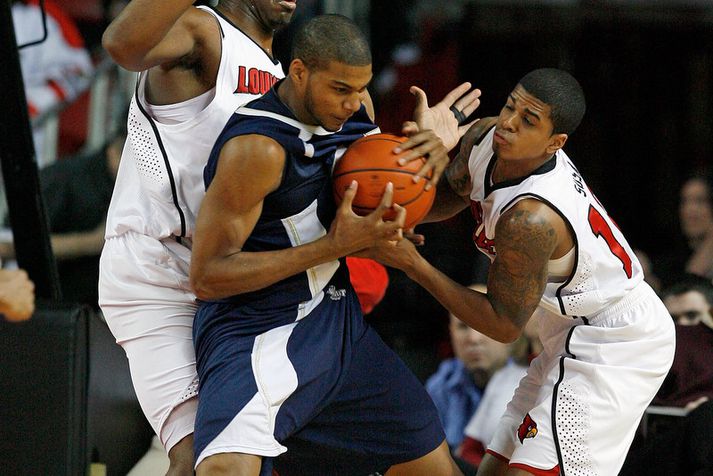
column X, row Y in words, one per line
column 287, row 94
column 243, row 17
column 505, row 170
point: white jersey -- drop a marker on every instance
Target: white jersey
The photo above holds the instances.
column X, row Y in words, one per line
column 605, row 268
column 159, row 186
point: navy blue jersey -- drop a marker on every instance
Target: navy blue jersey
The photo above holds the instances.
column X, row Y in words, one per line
column 295, row 365
column 298, row 212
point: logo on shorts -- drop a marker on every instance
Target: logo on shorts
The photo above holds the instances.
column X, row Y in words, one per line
column 336, row 294
column 527, row 429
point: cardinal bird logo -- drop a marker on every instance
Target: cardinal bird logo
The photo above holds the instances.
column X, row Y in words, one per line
column 527, row 429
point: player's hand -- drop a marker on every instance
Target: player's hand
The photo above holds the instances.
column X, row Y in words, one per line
column 396, row 254
column 415, row 238
column 423, row 144
column 441, row 118
column 17, row 295
column 350, row 232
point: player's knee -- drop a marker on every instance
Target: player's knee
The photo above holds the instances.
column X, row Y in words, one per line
column 180, row 458
column 436, row 463
column 230, row 464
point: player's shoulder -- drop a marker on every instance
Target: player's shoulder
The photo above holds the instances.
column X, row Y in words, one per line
column 477, row 132
column 201, row 23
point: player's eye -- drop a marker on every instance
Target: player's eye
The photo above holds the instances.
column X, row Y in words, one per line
column 527, row 121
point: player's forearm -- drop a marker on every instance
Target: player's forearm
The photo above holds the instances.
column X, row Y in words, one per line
column 245, row 271
column 446, row 205
column 139, row 28
column 470, row 306
column 75, row 245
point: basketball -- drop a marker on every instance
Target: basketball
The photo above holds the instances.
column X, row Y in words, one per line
column 371, row 162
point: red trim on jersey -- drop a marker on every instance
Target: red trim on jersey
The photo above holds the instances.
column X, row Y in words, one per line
column 498, row 455
column 58, row 90
column 536, row 471
column 69, row 29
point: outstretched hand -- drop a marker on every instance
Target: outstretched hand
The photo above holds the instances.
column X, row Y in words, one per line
column 440, row 118
column 435, row 130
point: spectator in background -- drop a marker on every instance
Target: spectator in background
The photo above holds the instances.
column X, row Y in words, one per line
column 498, row 393
column 683, row 445
column 17, row 295
column 77, row 191
column 695, row 215
column 458, row 385
column 690, row 380
column 56, row 70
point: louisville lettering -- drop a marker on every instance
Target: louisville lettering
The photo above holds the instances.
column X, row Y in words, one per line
column 254, row 81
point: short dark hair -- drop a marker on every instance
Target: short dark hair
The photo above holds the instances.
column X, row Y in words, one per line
column 688, row 283
column 559, row 90
column 327, row 38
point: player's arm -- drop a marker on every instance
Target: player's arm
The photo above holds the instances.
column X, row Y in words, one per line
column 526, row 236
column 148, row 33
column 454, row 195
column 250, row 167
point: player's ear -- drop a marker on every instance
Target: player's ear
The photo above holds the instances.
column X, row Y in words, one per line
column 556, row 142
column 298, row 71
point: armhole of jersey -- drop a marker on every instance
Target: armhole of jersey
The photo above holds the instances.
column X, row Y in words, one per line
column 569, row 226
column 212, row 12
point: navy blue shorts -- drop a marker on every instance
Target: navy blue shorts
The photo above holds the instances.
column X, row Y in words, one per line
column 322, row 395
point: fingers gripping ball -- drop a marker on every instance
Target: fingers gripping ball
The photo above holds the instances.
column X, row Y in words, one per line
column 371, row 162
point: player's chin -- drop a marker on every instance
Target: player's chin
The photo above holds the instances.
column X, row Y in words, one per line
column 333, row 125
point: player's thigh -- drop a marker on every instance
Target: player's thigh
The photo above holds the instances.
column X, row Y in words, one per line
column 436, row 463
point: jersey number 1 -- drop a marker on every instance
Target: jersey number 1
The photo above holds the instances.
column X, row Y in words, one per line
column 600, row 227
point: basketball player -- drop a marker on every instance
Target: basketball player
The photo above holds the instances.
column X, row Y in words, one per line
column 608, row 340
column 197, row 65
column 285, row 359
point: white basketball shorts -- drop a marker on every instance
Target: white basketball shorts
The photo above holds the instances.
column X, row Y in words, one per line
column 145, row 296
column 578, row 408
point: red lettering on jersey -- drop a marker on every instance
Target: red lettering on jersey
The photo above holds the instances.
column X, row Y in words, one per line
column 242, row 81
column 254, row 81
column 601, row 228
column 485, row 244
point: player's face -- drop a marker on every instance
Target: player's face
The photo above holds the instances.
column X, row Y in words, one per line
column 335, row 93
column 524, row 128
column 695, row 211
column 274, row 14
column 689, row 309
column 477, row 351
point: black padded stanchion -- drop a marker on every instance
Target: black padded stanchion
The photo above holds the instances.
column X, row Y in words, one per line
column 43, row 392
